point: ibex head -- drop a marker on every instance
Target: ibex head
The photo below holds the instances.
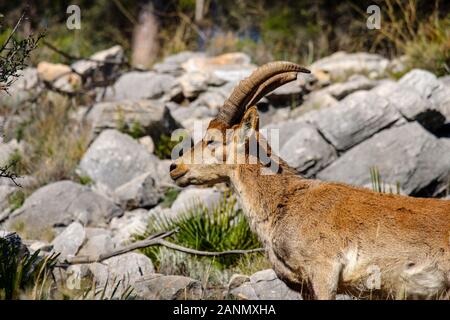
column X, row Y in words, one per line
column 226, row 144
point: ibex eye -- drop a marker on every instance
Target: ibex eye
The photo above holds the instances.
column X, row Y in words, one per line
column 209, row 142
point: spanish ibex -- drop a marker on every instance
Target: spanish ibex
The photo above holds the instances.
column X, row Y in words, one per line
column 331, row 236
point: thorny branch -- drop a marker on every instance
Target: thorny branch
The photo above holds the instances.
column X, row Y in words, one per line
column 156, row 239
column 6, row 172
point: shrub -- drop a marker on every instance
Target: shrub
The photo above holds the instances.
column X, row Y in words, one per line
column 218, row 229
column 20, row 271
column 165, row 144
column 54, row 143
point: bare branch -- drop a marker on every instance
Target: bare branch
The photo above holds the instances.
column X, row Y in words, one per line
column 156, row 239
column 12, row 32
column 205, row 253
column 5, row 172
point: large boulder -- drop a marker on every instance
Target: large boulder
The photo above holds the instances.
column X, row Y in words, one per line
column 408, row 155
column 101, row 64
column 140, row 192
column 130, row 224
column 172, row 64
column 98, row 241
column 354, row 119
column 307, row 151
column 191, row 197
column 68, row 242
column 141, row 85
column 60, row 203
column 139, row 117
column 341, row 65
column 168, row 287
column 230, row 67
column 342, row 89
column 263, row 285
column 429, row 87
column 414, row 107
column 59, row 75
column 126, row 268
column 283, row 129
column 115, row 158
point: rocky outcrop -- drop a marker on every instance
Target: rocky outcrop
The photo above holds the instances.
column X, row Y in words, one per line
column 139, row 117
column 61, row 203
column 168, row 287
column 263, row 285
column 408, row 155
column 115, row 158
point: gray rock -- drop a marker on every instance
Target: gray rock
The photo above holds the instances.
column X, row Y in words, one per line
column 126, row 268
column 115, row 158
column 424, row 82
column 96, row 63
column 307, row 151
column 172, row 64
column 68, row 242
column 7, row 150
column 190, row 197
column 162, row 287
column 408, row 154
column 97, row 244
column 147, row 116
column 429, row 87
column 186, row 115
column 130, row 224
column 315, row 100
column 354, row 83
column 355, row 118
column 193, row 83
column 61, row 203
column 414, row 107
column 5, row 192
column 289, row 93
column 230, row 67
column 445, row 80
column 237, row 280
column 341, row 64
column 148, row 143
column 212, row 99
column 140, row 85
column 264, row 285
column 285, row 130
column 42, row 246
column 140, row 192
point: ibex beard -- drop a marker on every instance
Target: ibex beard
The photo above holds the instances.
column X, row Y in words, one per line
column 330, row 236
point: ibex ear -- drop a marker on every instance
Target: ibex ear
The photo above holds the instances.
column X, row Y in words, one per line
column 249, row 124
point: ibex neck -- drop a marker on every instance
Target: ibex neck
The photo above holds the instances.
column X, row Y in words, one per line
column 259, row 196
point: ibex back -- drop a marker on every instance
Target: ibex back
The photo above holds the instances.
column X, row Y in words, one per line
column 331, row 236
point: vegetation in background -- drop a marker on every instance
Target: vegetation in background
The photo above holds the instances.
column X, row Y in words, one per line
column 218, row 229
column 14, row 52
column 170, row 196
column 164, row 146
column 379, row 186
column 22, row 273
column 53, row 142
column 16, row 200
column 301, row 31
column 424, row 39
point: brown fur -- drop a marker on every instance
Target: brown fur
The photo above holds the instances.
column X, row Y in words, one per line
column 337, row 237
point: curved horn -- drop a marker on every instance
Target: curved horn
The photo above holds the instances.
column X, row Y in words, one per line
column 263, row 80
